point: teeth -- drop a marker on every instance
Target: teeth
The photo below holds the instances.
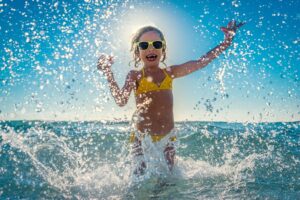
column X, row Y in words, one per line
column 151, row 56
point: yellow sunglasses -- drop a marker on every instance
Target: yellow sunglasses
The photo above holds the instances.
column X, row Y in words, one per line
column 155, row 44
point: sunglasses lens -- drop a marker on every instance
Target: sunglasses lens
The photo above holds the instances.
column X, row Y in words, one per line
column 157, row 44
column 143, row 45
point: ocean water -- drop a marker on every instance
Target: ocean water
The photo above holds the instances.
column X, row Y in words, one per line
column 92, row 160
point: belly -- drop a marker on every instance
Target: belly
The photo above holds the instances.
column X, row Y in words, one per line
column 155, row 111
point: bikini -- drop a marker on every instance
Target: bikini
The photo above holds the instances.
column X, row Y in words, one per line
column 148, row 86
column 145, row 85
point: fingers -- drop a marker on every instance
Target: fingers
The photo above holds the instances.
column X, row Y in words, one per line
column 233, row 25
column 228, row 32
column 106, row 59
column 104, row 62
column 111, row 59
column 102, row 58
column 224, row 29
column 231, row 28
column 240, row 24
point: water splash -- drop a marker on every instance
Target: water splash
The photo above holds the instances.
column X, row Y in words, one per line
column 92, row 160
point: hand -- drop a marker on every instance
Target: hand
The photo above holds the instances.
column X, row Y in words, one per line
column 105, row 62
column 231, row 29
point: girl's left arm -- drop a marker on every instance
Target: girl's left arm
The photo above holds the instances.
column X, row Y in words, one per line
column 191, row 66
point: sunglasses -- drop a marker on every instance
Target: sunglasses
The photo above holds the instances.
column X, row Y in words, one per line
column 155, row 44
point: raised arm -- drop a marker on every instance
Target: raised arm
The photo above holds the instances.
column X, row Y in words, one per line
column 191, row 66
column 120, row 96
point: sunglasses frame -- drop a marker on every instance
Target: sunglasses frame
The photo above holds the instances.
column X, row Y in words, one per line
column 151, row 43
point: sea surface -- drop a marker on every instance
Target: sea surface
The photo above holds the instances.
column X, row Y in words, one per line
column 92, row 160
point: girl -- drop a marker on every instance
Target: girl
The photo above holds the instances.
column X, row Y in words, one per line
column 152, row 86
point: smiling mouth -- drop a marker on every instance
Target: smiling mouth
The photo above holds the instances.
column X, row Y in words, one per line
column 151, row 57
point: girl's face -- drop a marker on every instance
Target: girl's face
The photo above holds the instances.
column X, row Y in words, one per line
column 150, row 56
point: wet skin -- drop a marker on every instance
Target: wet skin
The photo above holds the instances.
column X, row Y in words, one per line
column 155, row 108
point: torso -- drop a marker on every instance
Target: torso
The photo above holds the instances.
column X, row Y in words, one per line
column 154, row 108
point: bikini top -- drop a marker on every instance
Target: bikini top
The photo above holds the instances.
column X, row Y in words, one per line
column 146, row 85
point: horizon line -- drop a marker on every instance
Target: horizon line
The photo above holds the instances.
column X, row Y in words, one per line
column 127, row 121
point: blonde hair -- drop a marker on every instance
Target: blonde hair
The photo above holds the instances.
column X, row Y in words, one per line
column 136, row 38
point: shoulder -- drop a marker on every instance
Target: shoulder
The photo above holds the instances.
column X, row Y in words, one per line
column 169, row 71
column 135, row 75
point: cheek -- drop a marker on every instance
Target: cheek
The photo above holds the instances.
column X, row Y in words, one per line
column 142, row 54
column 161, row 52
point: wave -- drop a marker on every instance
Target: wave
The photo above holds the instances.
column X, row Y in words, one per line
column 92, row 160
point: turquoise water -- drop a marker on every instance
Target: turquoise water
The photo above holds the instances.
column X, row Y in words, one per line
column 91, row 160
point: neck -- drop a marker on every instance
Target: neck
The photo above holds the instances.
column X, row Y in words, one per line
column 151, row 68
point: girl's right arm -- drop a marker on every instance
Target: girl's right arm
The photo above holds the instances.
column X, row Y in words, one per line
column 120, row 96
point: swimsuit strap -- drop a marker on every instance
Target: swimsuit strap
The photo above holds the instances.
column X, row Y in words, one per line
column 164, row 70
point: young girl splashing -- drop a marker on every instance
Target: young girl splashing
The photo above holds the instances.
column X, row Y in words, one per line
column 152, row 87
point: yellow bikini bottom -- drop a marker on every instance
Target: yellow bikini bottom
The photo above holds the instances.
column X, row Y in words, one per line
column 155, row 138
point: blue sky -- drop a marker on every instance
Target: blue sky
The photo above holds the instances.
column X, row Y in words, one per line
column 49, row 52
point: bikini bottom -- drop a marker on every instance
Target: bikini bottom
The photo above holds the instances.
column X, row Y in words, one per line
column 156, row 152
column 155, row 138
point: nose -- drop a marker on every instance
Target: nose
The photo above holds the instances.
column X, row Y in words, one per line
column 151, row 47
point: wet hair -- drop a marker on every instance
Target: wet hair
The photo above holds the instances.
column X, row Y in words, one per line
column 136, row 38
